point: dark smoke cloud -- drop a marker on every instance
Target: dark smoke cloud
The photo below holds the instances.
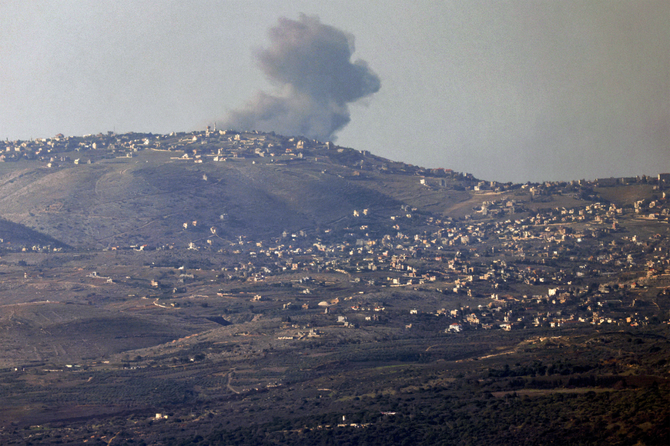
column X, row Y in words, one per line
column 310, row 64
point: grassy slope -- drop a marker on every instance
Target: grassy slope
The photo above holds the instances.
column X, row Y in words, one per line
column 146, row 199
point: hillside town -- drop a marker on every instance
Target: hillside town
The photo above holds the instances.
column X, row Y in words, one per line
column 515, row 260
column 214, row 145
column 201, row 277
column 562, row 267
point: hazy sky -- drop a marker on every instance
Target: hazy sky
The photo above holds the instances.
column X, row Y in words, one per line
column 506, row 90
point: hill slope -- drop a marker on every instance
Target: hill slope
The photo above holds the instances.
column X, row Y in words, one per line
column 146, row 199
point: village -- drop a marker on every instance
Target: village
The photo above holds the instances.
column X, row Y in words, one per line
column 533, row 271
column 207, row 276
column 513, row 262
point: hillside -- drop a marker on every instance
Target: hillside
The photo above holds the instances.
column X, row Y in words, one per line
column 254, row 289
column 172, row 190
column 144, row 195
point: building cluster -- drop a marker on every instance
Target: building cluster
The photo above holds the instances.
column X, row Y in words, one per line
column 198, row 146
column 530, row 265
column 552, row 268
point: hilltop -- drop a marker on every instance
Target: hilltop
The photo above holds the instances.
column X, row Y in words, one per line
column 136, row 189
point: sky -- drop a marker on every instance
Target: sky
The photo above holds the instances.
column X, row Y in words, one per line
column 519, row 90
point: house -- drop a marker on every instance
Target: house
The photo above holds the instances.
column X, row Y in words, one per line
column 473, row 319
column 607, row 182
column 454, row 328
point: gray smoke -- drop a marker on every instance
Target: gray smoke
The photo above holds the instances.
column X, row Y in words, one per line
column 310, row 64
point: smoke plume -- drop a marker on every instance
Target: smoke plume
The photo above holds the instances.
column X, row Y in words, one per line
column 310, row 64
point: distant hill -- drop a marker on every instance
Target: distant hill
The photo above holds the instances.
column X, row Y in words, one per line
column 211, row 188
